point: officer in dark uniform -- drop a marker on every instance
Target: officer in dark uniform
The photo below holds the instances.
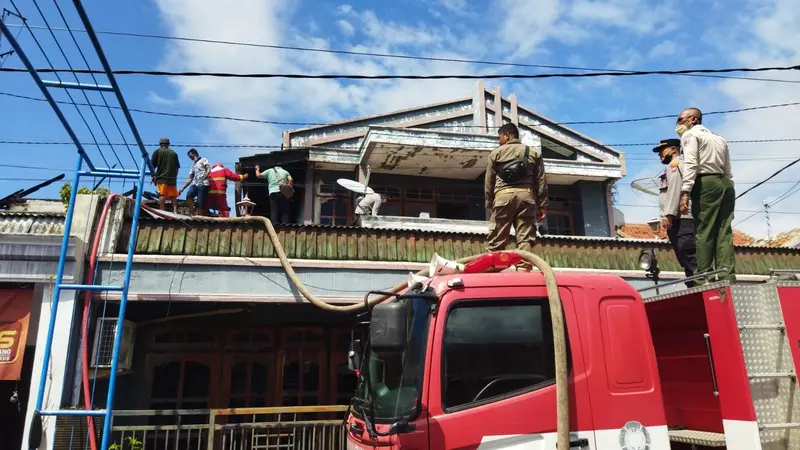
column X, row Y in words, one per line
column 679, row 227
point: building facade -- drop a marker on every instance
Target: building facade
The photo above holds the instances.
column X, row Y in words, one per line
column 430, row 161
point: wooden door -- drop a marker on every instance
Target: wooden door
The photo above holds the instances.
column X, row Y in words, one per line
column 184, row 381
column 248, row 380
column 302, row 367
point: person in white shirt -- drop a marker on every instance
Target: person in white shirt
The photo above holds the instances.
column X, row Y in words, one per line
column 708, row 180
column 198, row 178
column 370, row 204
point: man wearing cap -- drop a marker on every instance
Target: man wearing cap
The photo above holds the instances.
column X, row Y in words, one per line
column 679, row 227
column 708, row 180
column 165, row 162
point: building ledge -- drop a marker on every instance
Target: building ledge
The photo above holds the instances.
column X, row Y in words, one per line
column 424, row 224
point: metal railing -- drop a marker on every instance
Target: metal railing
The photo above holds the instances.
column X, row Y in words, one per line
column 284, row 428
column 705, row 276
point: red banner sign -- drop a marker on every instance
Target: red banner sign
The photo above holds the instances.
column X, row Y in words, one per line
column 15, row 312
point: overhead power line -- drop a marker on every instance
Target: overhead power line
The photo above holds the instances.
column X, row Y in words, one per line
column 788, row 193
column 274, row 122
column 305, row 76
column 278, row 147
column 384, row 55
column 769, row 177
column 186, row 170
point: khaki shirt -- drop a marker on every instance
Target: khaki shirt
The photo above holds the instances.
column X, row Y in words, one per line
column 669, row 198
column 369, row 204
column 536, row 179
column 704, row 153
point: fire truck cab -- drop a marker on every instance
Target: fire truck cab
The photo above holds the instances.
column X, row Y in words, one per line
column 466, row 361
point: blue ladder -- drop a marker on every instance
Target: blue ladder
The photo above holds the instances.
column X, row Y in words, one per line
column 91, row 170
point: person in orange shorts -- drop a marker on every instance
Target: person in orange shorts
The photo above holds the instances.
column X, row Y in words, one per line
column 165, row 162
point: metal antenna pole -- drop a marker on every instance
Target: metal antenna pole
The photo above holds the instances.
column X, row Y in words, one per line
column 769, row 225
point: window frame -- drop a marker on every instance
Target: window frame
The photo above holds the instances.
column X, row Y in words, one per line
column 490, row 302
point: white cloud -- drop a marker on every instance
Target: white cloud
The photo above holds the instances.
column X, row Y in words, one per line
column 523, row 29
column 346, row 27
column 663, row 49
column 454, row 5
column 641, row 16
column 344, row 9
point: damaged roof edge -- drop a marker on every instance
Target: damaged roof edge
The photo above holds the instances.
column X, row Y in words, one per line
column 405, row 228
column 570, row 130
column 378, row 116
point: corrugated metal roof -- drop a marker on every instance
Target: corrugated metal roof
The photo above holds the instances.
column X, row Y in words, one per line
column 19, row 222
column 329, row 242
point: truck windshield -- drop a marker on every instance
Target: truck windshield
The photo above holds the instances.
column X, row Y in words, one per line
column 392, row 381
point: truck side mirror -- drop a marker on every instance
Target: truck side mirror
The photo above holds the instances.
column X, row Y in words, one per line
column 354, row 355
column 388, row 326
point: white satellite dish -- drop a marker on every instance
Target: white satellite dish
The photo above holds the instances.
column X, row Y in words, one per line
column 354, row 186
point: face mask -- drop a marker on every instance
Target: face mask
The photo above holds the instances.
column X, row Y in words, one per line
column 680, row 129
column 667, row 159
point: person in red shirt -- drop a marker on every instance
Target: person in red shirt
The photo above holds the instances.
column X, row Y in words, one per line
column 217, row 188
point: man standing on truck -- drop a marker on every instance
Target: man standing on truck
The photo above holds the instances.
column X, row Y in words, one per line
column 708, row 179
column 515, row 186
column 679, row 227
column 166, row 163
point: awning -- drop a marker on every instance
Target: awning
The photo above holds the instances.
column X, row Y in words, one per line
column 15, row 313
column 271, row 159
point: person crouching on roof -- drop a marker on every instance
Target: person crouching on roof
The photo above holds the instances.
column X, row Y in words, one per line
column 369, row 204
column 217, row 188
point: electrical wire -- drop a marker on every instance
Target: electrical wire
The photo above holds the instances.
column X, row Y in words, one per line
column 769, row 178
column 306, row 76
column 279, row 147
column 72, row 100
column 102, row 94
column 273, row 122
column 4, row 58
column 780, row 198
column 391, row 55
column 77, row 80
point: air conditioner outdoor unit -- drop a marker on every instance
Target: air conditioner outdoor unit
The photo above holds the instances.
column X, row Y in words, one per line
column 104, row 344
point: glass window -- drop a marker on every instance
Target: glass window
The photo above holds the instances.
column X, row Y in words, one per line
column 496, row 349
column 393, row 380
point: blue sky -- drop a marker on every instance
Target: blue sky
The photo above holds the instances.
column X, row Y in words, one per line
column 617, row 34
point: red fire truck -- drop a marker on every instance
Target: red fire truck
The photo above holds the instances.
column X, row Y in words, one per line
column 466, row 361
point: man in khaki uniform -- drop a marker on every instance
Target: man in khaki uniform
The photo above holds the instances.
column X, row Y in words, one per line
column 514, row 187
column 708, row 180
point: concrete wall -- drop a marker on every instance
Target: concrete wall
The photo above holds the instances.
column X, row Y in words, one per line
column 593, row 206
column 61, row 366
column 268, row 283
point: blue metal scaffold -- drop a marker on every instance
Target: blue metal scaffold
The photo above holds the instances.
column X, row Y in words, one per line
column 85, row 168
